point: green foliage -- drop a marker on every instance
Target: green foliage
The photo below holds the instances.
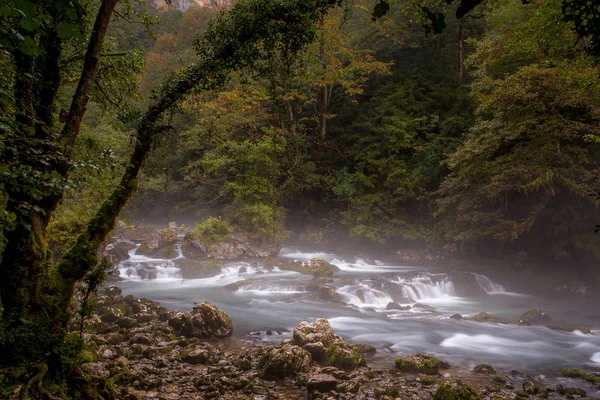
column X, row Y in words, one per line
column 212, row 230
column 529, row 161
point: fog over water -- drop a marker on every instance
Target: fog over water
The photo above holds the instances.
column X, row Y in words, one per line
column 269, row 306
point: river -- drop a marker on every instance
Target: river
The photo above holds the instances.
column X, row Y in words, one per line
column 274, row 301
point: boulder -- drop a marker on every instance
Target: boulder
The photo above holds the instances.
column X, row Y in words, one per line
column 195, row 356
column 234, row 246
column 420, row 363
column 161, row 243
column 366, row 349
column 327, row 293
column 423, row 307
column 343, row 356
column 484, row 369
column 205, row 320
column 392, row 305
column 282, row 362
column 321, row 383
column 485, row 317
column 315, row 267
column 454, row 389
column 318, row 331
column 193, row 269
column 119, row 251
column 535, row 316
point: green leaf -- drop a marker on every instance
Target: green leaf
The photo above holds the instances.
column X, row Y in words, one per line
column 28, row 46
column 67, row 30
column 30, row 24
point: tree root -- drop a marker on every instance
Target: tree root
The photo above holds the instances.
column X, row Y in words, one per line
column 36, row 380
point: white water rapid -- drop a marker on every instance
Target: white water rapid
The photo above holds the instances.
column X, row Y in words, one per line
column 263, row 299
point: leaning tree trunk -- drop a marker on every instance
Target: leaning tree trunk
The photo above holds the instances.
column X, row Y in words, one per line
column 26, row 261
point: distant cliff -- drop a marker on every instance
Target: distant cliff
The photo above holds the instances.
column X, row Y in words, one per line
column 185, row 4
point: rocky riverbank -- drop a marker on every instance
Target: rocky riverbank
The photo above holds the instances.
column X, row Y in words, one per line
column 137, row 349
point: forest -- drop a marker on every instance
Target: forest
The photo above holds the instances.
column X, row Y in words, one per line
column 468, row 130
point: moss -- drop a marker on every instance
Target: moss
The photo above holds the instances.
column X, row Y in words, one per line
column 212, row 231
column 500, row 380
column 419, row 363
column 577, row 373
column 575, row 391
column 455, row 390
column 344, row 356
column 427, row 380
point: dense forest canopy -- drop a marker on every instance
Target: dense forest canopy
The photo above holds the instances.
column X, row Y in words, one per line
column 470, row 128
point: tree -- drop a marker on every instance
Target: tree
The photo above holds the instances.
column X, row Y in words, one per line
column 522, row 177
column 36, row 295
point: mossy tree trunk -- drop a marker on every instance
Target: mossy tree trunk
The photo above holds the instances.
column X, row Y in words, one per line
column 31, row 288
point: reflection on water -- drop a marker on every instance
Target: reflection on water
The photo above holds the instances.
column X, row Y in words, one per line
column 274, row 300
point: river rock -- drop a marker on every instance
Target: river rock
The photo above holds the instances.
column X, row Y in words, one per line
column 282, row 362
column 485, row 317
column 234, row 246
column 119, row 251
column 193, row 269
column 534, row 316
column 318, row 331
column 321, row 383
column 205, row 320
column 315, row 267
column 455, row 389
column 484, row 369
column 420, row 363
column 196, row 356
column 161, row 243
column 343, row 356
column 392, row 305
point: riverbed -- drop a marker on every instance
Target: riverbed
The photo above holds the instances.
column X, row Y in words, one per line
column 274, row 301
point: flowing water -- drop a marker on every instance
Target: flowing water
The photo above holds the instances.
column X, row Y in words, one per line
column 273, row 301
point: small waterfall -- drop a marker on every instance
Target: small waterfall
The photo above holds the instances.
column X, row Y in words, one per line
column 426, row 287
column 488, row 286
column 148, row 269
column 361, row 295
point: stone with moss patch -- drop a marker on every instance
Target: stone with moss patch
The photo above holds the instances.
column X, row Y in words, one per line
column 419, row 363
column 577, row 373
column 484, row 369
column 454, row 389
column 205, row 320
column 343, row 356
column 282, row 362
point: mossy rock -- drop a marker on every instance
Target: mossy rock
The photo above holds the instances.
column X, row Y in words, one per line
column 366, row 349
column 427, row 380
column 344, row 356
column 192, row 269
column 420, row 363
column 577, row 373
column 454, row 389
column 282, row 362
column 484, row 369
column 485, row 317
column 499, row 380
